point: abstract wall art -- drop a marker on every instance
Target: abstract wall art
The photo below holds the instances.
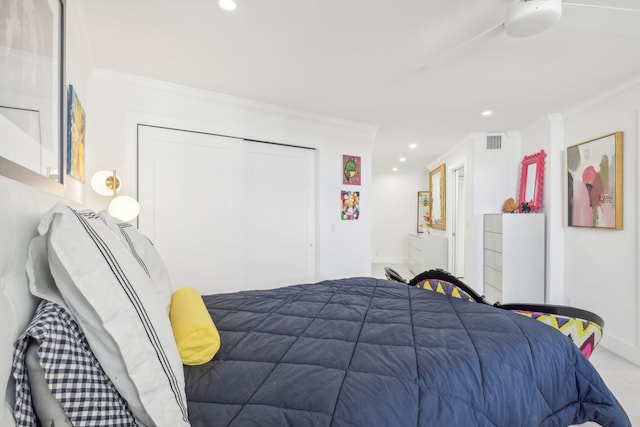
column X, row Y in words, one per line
column 594, row 173
column 350, row 201
column 75, row 136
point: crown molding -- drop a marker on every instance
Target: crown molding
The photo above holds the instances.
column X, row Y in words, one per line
column 133, row 82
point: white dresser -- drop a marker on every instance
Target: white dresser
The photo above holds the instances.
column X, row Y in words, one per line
column 426, row 253
column 514, row 258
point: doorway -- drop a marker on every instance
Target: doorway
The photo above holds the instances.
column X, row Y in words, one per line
column 458, row 214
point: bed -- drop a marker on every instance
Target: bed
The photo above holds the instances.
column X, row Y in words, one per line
column 348, row 352
column 367, row 352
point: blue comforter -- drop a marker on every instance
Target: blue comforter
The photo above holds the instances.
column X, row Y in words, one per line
column 368, row 352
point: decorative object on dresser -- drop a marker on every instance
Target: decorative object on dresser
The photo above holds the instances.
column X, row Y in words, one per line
column 514, row 260
column 437, row 191
column 594, row 193
column 427, row 252
column 509, row 206
column 531, row 176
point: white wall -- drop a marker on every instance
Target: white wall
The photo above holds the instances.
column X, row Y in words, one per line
column 589, row 268
column 79, row 66
column 395, row 214
column 601, row 266
column 119, row 102
column 491, row 178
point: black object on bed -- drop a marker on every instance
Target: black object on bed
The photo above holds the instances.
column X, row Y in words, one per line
column 368, row 352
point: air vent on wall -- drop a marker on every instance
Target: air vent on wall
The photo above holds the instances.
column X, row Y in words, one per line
column 494, row 142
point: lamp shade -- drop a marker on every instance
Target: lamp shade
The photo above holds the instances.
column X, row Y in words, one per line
column 124, row 208
column 102, row 182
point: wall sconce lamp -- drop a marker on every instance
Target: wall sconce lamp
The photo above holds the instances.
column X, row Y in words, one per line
column 108, row 183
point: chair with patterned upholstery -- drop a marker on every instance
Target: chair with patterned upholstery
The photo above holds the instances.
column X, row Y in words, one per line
column 582, row 327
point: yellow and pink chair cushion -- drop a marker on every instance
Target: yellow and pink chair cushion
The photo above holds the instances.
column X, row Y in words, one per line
column 582, row 327
column 445, row 288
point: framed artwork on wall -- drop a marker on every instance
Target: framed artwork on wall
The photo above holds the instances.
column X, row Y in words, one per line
column 437, row 190
column 594, row 193
column 350, row 205
column 351, row 174
column 424, row 211
column 75, row 136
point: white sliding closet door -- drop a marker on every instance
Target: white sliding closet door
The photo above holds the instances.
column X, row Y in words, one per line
column 227, row 214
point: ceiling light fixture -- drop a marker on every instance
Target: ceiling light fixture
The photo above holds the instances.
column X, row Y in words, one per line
column 403, row 159
column 228, row 5
column 395, row 169
column 487, row 113
column 413, row 146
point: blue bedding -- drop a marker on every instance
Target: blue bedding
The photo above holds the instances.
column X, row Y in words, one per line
column 368, row 352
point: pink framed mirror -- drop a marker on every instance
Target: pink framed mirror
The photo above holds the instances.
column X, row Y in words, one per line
column 531, row 175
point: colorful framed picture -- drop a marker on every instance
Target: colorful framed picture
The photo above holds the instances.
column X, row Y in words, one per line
column 76, row 124
column 351, row 169
column 594, row 192
column 350, row 201
column 424, row 211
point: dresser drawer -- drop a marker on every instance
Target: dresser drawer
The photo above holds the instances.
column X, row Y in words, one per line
column 493, row 277
column 491, row 294
column 493, row 223
column 493, row 241
column 414, row 244
column 493, row 259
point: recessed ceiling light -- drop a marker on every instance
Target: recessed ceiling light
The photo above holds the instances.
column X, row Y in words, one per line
column 403, row 159
column 413, row 146
column 395, row 169
column 487, row 113
column 228, row 5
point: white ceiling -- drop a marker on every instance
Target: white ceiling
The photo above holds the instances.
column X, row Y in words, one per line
column 390, row 63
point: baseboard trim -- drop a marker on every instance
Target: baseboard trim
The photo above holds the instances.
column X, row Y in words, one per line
column 621, row 348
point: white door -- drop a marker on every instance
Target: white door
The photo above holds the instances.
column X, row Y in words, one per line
column 227, row 214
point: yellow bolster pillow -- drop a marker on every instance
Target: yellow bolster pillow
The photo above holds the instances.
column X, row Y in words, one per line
column 193, row 329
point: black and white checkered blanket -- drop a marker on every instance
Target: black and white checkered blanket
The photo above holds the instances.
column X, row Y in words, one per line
column 72, row 373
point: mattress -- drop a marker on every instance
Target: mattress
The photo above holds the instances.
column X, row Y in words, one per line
column 369, row 352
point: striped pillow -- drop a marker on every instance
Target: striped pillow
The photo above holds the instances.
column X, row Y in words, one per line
column 147, row 256
column 118, row 309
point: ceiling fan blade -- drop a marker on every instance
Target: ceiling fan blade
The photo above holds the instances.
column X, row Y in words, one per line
column 622, row 5
column 461, row 47
column 606, row 16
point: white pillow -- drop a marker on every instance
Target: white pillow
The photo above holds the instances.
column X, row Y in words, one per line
column 146, row 254
column 116, row 305
column 41, row 283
